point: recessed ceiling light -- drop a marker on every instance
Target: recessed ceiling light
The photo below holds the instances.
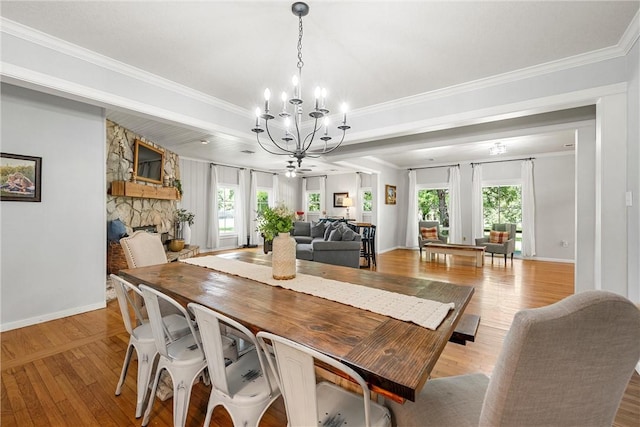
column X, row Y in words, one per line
column 497, row 148
column 204, row 142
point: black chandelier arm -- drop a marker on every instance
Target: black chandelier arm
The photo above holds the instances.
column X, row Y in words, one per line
column 337, row 145
column 266, row 125
column 286, row 153
column 312, row 135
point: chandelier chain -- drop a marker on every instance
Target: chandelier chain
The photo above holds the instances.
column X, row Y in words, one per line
column 300, row 62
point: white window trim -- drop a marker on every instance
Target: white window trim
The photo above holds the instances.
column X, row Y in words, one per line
column 235, row 188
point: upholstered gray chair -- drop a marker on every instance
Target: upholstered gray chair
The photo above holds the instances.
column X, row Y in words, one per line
column 506, row 248
column 429, row 224
column 566, row 364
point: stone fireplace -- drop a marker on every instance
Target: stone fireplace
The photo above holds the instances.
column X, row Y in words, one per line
column 136, row 211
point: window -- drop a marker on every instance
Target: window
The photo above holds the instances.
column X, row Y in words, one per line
column 313, row 202
column 366, row 197
column 226, row 210
column 503, row 204
column 263, row 200
column 433, row 205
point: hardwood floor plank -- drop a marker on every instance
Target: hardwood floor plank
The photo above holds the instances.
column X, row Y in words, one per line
column 68, row 368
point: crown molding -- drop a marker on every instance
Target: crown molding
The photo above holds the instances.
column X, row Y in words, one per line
column 45, row 40
column 631, row 34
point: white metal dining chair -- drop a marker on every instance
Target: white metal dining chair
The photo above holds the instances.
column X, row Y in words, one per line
column 182, row 358
column 141, row 338
column 245, row 388
column 566, row 364
column 322, row 404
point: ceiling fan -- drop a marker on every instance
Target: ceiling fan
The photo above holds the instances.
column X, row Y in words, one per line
column 292, row 171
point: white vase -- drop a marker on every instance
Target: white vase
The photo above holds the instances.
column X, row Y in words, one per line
column 283, row 259
column 186, row 233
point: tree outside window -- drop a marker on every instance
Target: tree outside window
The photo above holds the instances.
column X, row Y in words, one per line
column 226, row 210
column 433, row 205
column 263, row 201
column 503, row 204
column 313, row 202
column 367, row 201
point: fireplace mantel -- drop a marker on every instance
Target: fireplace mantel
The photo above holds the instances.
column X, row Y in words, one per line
column 133, row 189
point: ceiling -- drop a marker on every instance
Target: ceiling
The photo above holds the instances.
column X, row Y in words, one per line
column 364, row 52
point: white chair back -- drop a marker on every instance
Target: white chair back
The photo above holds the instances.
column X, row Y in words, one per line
column 161, row 332
column 143, row 248
column 295, row 373
column 126, row 302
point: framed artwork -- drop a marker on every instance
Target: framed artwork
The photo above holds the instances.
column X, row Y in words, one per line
column 338, row 199
column 390, row 194
column 20, row 178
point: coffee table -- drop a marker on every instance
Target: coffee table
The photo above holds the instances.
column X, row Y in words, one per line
column 455, row 249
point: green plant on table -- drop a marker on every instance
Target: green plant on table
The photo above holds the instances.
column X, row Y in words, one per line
column 183, row 215
column 272, row 221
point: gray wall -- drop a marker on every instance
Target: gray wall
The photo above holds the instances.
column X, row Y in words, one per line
column 54, row 252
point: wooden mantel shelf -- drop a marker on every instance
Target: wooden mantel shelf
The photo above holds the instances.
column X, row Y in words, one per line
column 132, row 189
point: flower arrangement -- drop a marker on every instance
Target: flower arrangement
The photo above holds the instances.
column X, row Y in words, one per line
column 183, row 215
column 272, row 221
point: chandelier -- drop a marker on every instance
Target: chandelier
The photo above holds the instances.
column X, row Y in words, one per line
column 291, row 170
column 497, row 148
column 294, row 142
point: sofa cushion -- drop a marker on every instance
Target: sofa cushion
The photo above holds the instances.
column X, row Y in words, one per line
column 336, row 235
column 329, row 229
column 348, row 234
column 317, row 229
column 304, row 251
column 303, row 239
column 301, row 228
column 430, row 233
column 498, row 236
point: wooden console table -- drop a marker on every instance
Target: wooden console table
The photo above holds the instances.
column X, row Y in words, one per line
column 454, row 249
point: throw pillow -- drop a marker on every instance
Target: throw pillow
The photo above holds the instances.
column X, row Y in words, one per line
column 348, row 234
column 336, row 235
column 317, row 229
column 328, row 229
column 301, row 228
column 498, row 236
column 430, row 233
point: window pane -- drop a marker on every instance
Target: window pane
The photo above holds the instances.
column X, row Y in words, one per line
column 263, row 201
column 502, row 204
column 226, row 210
column 313, row 202
column 367, row 201
column 433, row 205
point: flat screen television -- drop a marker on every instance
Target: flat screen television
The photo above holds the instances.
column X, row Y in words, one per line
column 148, row 163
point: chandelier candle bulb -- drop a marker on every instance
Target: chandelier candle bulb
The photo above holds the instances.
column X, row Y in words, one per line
column 317, row 96
column 267, row 95
column 257, row 117
column 324, row 97
column 296, row 87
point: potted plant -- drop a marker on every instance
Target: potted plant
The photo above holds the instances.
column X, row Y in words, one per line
column 183, row 221
column 275, row 224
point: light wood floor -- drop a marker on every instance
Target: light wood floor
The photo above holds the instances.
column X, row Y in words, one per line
column 64, row 372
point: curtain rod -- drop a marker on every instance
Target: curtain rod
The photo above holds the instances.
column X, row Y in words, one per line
column 433, row 167
column 500, row 161
column 241, row 168
column 315, row 176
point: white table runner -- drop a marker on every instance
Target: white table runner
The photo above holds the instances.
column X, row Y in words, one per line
column 423, row 312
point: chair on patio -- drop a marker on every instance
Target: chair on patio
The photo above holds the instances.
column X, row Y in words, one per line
column 566, row 364
column 429, row 232
column 501, row 240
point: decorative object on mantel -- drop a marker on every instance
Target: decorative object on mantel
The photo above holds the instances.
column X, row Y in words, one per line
column 178, row 185
column 275, row 224
column 176, row 245
column 185, row 220
column 301, row 143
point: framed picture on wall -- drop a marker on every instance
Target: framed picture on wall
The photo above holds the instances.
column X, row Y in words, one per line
column 20, row 178
column 338, row 199
column 390, row 194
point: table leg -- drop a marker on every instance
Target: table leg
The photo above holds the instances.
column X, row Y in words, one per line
column 479, row 259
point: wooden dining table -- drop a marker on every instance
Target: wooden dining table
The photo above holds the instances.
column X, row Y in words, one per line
column 394, row 357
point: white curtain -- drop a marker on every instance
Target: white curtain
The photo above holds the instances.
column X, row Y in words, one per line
column 303, row 196
column 275, row 191
column 323, row 192
column 241, row 207
column 455, row 215
column 412, row 212
column 253, row 209
column 477, row 213
column 528, row 211
column 213, row 240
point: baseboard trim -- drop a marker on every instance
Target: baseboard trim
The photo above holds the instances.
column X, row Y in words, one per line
column 51, row 316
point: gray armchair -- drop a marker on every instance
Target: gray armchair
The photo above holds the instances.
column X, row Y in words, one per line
column 429, row 224
column 505, row 248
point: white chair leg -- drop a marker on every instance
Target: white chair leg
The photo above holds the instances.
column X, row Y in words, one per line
column 145, row 367
column 152, row 396
column 125, row 368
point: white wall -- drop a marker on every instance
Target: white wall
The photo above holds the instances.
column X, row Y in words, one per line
column 633, row 169
column 54, row 252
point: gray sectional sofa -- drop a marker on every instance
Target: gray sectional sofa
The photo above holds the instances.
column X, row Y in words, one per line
column 327, row 242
